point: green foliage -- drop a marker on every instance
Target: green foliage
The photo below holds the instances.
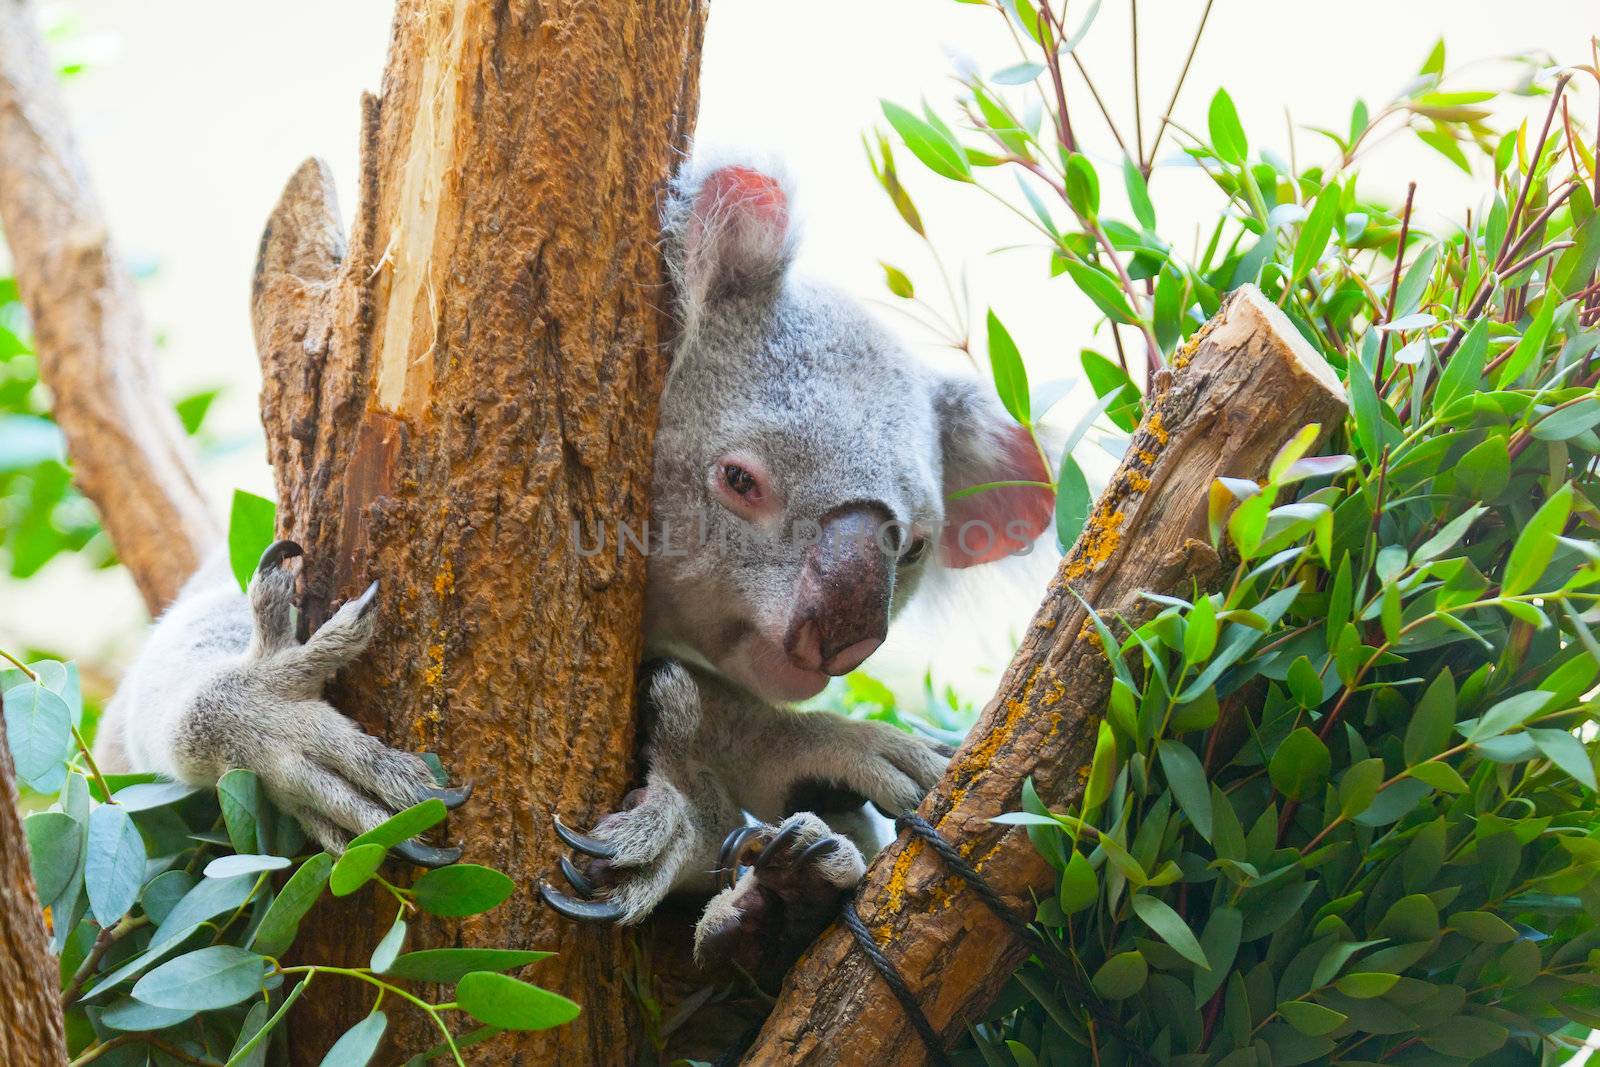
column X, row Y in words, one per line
column 1344, row 809
column 172, row 906
column 41, row 514
column 252, row 524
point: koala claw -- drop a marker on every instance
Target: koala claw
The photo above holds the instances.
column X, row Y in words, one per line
column 733, row 856
column 798, row 872
column 277, row 552
column 589, row 846
column 577, row 879
column 367, row 600
column 428, row 855
column 584, row 911
column 453, row 798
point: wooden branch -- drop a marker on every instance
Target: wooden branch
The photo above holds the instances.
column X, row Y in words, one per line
column 128, row 450
column 1242, row 387
column 444, row 399
column 30, row 1023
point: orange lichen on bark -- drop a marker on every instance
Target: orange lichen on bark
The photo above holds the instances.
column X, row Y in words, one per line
column 1192, row 345
column 433, row 674
column 977, row 759
column 1099, row 540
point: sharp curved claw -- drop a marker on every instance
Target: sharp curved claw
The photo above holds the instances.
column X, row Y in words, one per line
column 589, row 846
column 778, row 844
column 731, row 857
column 817, row 849
column 730, row 843
column 583, row 911
column 367, row 600
column 277, row 552
column 453, row 798
column 427, row 855
column 577, row 879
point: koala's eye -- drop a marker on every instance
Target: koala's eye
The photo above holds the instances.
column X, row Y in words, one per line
column 913, row 553
column 739, row 480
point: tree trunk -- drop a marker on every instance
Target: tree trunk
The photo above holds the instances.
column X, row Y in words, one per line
column 128, row 450
column 1244, row 385
column 30, row 1020
column 449, row 404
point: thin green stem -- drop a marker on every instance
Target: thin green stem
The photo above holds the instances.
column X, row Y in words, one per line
column 21, row 666
column 266, row 1028
column 371, row 979
column 94, row 768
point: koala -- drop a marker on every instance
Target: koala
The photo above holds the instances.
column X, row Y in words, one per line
column 805, row 466
column 805, row 483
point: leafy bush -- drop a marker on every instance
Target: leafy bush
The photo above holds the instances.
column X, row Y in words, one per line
column 1344, row 809
column 171, row 907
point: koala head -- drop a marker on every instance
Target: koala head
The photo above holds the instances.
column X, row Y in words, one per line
column 805, row 463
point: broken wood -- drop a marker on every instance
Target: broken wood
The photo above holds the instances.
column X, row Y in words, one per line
column 445, row 400
column 129, row 453
column 1243, row 386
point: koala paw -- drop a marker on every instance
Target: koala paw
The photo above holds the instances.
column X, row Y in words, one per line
column 892, row 769
column 636, row 857
column 787, row 884
column 267, row 715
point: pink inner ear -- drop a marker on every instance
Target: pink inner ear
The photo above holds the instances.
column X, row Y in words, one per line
column 744, row 191
column 994, row 523
column 738, row 227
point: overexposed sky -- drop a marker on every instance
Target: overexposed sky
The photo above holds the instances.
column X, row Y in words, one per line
column 193, row 113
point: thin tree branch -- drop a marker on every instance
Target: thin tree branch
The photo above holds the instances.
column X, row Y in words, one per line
column 129, row 453
column 1394, row 283
column 1147, row 164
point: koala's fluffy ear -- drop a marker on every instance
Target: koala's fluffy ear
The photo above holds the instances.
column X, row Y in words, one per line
column 981, row 443
column 729, row 231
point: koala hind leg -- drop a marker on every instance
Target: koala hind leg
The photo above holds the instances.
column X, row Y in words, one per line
column 798, row 874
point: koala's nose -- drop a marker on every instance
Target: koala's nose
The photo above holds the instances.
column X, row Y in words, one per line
column 841, row 612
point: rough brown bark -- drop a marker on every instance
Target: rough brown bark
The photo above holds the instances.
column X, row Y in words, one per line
column 129, row 453
column 30, row 1006
column 1245, row 385
column 476, row 373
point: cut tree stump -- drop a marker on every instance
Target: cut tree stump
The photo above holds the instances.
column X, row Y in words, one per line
column 1242, row 387
column 445, row 399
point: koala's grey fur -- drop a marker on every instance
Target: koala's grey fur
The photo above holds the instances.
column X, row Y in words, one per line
column 769, row 365
column 223, row 682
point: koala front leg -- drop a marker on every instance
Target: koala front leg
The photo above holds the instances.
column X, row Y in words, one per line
column 796, row 756
column 669, row 833
column 264, row 712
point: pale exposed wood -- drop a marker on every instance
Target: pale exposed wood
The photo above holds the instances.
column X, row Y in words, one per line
column 479, row 370
column 129, row 453
column 30, row 1004
column 1245, row 385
